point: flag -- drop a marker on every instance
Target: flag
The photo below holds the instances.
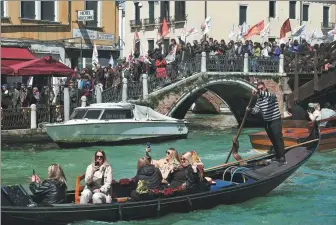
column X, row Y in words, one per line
column 111, row 62
column 232, row 33
column 164, row 28
column 163, row 31
column 242, row 30
column 184, row 31
column 285, row 28
column 264, row 33
column 192, row 31
column 95, row 56
column 299, row 31
column 206, row 25
column 136, row 37
column 256, row 29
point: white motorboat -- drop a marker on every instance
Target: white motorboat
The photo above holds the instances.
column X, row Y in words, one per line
column 115, row 123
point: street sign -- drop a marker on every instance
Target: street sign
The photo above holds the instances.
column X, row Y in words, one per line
column 105, row 36
column 85, row 15
column 84, row 33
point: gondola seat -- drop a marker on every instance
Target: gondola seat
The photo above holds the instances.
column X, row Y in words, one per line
column 218, row 184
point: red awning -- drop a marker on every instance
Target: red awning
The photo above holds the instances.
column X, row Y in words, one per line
column 6, row 70
column 11, row 56
column 42, row 66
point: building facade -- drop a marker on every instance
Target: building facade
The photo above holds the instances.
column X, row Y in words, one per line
column 52, row 28
column 145, row 18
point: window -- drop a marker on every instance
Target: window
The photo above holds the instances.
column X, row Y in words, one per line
column 166, row 45
column 305, row 13
column 2, row 9
column 292, row 10
column 112, row 114
column 242, row 14
column 93, row 114
column 272, row 9
column 164, row 10
column 78, row 114
column 137, row 13
column 28, row 9
column 325, row 16
column 92, row 5
column 151, row 45
column 151, row 14
column 48, row 10
column 180, row 11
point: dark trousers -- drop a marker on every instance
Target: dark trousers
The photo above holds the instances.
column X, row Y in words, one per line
column 274, row 132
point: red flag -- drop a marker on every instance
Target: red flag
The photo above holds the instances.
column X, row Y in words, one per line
column 136, row 37
column 286, row 27
column 255, row 30
column 164, row 28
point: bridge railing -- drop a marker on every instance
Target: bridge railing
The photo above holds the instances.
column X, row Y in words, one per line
column 200, row 63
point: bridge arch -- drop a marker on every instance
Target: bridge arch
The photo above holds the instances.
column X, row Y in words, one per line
column 236, row 92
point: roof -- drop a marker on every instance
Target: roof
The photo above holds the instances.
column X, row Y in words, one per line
column 109, row 105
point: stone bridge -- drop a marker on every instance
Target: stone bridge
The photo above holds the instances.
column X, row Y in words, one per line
column 230, row 78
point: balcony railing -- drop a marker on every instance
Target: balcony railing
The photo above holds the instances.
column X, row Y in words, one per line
column 168, row 19
column 135, row 23
column 149, row 21
column 327, row 25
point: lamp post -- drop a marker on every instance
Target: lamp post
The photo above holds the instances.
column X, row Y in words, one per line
column 81, row 49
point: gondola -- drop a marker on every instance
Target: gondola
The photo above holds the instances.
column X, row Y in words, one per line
column 295, row 132
column 233, row 183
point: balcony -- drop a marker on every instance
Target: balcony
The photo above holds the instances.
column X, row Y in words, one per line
column 149, row 22
column 135, row 23
column 168, row 19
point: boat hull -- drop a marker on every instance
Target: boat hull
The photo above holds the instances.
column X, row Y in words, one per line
column 116, row 133
column 292, row 136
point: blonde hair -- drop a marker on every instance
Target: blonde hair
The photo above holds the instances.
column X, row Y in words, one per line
column 174, row 155
column 188, row 156
column 55, row 172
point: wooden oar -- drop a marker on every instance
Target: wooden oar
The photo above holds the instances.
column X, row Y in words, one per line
column 235, row 144
column 258, row 156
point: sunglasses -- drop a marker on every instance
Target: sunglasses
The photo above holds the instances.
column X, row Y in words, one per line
column 184, row 159
column 99, row 157
column 168, row 152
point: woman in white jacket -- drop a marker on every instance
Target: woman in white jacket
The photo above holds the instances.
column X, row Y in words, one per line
column 98, row 179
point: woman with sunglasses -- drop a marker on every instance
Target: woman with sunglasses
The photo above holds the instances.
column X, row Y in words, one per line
column 167, row 164
column 51, row 190
column 98, row 179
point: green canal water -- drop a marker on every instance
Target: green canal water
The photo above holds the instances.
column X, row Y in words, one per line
column 308, row 197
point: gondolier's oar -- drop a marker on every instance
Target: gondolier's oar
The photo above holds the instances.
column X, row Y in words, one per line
column 235, row 143
column 258, row 156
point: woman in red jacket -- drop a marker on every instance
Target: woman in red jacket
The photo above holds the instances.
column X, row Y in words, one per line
column 161, row 65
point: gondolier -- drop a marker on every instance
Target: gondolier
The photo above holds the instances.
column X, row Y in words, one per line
column 267, row 105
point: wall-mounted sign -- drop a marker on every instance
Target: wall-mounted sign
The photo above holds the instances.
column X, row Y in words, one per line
column 84, row 33
column 85, row 15
column 105, row 36
column 92, row 35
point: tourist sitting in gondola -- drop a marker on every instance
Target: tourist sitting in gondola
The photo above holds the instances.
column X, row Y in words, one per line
column 148, row 178
column 194, row 180
column 167, row 164
column 51, row 190
column 98, row 179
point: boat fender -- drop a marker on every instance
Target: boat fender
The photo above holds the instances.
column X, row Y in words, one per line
column 120, row 212
column 158, row 209
column 190, row 203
